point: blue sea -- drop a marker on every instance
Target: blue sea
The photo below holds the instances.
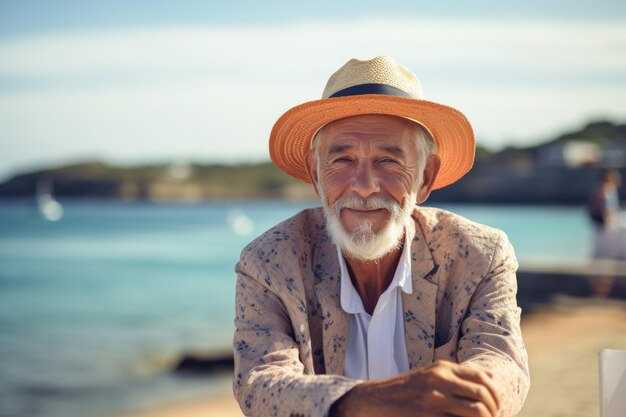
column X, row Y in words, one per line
column 95, row 309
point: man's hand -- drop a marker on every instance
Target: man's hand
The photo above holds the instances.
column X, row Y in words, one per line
column 441, row 389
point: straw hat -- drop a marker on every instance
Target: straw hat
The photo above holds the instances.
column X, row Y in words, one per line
column 377, row 86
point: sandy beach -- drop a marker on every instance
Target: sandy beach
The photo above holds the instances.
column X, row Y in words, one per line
column 563, row 340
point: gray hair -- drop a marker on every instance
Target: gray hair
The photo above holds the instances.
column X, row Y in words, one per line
column 426, row 146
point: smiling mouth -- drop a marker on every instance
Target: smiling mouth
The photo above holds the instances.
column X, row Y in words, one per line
column 365, row 210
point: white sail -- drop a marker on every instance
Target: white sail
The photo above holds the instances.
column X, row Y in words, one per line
column 49, row 208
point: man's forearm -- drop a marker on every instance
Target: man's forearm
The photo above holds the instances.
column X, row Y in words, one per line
column 348, row 404
column 444, row 388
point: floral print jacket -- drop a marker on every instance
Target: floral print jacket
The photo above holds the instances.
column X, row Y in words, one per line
column 291, row 333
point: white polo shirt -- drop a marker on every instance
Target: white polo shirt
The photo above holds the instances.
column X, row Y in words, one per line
column 376, row 344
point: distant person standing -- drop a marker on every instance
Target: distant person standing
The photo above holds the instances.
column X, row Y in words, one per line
column 610, row 234
column 604, row 202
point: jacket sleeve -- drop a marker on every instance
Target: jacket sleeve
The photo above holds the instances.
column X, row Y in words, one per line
column 270, row 379
column 491, row 335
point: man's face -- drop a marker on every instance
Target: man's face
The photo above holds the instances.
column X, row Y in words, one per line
column 366, row 170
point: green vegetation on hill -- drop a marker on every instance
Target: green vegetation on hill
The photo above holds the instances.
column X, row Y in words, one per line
column 161, row 182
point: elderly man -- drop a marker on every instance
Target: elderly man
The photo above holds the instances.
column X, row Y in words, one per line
column 372, row 305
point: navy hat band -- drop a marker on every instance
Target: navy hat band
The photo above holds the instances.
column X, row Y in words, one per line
column 361, row 89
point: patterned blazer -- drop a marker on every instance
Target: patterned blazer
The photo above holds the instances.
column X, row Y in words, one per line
column 291, row 332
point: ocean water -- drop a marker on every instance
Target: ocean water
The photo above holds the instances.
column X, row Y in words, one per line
column 96, row 308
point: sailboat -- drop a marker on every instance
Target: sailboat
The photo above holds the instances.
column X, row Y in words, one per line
column 49, row 208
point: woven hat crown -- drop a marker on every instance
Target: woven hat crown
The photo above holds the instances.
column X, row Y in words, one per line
column 380, row 70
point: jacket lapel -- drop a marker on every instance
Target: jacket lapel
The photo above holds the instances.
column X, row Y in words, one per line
column 420, row 306
column 335, row 321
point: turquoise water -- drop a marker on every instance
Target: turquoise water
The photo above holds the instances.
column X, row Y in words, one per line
column 96, row 308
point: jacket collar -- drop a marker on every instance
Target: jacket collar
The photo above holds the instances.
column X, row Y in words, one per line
column 420, row 306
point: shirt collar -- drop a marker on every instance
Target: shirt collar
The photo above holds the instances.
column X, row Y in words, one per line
column 351, row 301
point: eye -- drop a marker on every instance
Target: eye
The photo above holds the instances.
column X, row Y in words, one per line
column 342, row 160
column 388, row 161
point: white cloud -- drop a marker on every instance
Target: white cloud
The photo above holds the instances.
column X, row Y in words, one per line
column 194, row 92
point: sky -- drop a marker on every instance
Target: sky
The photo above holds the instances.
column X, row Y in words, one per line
column 131, row 82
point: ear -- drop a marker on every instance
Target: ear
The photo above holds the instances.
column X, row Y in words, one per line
column 311, row 169
column 433, row 163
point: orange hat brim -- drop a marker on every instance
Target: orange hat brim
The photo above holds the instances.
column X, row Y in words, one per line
column 291, row 136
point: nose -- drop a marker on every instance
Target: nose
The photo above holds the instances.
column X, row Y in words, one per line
column 365, row 182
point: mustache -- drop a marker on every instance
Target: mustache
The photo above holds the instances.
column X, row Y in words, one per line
column 369, row 203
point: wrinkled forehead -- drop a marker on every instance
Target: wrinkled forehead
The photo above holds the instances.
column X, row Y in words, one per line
column 370, row 125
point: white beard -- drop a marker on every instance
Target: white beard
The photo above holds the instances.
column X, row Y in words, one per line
column 364, row 244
